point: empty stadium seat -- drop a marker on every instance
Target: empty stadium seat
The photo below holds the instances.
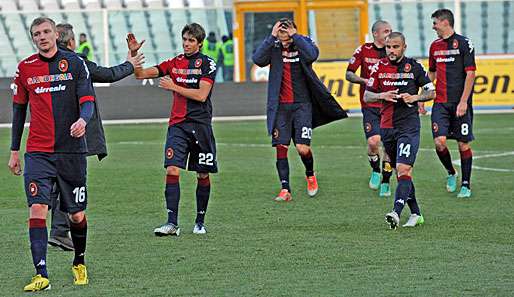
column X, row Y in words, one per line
column 8, row 6
column 112, row 4
column 174, row 3
column 29, row 5
column 49, row 5
column 196, row 3
column 154, row 3
column 134, row 4
column 92, row 4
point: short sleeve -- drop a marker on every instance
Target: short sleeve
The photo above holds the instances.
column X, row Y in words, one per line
column 431, row 59
column 356, row 60
column 20, row 94
column 84, row 87
column 164, row 67
column 373, row 82
column 468, row 55
column 208, row 70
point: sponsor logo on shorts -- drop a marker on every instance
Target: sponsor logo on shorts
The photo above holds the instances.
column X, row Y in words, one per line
column 33, row 189
column 275, row 133
column 169, row 153
column 435, row 127
column 63, row 65
column 367, row 127
column 198, row 63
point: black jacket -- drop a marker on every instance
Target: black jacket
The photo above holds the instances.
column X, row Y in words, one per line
column 325, row 108
column 95, row 136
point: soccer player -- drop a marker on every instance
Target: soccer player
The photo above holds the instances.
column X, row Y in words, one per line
column 395, row 81
column 95, row 138
column 365, row 56
column 56, row 86
column 293, row 87
column 452, row 63
column 190, row 77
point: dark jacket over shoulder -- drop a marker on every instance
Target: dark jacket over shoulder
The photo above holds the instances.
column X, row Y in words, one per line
column 325, row 108
column 95, row 136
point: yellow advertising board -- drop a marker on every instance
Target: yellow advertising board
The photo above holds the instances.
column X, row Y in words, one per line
column 494, row 83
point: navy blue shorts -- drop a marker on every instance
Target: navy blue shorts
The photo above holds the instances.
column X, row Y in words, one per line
column 371, row 121
column 44, row 171
column 446, row 123
column 293, row 121
column 401, row 146
column 192, row 144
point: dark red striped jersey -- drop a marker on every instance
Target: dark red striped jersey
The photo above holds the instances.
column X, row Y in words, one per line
column 450, row 58
column 407, row 76
column 53, row 88
column 365, row 56
column 187, row 72
column 293, row 88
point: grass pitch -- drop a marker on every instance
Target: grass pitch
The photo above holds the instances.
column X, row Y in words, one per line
column 336, row 244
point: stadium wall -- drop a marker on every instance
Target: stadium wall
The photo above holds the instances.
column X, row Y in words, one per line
column 130, row 99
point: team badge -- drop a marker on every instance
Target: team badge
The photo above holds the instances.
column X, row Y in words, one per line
column 275, row 133
column 33, row 189
column 435, row 127
column 198, row 63
column 63, row 65
column 455, row 43
column 407, row 67
column 367, row 127
column 169, row 153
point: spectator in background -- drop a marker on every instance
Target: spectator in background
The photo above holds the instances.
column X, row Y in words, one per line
column 227, row 51
column 212, row 47
column 85, row 48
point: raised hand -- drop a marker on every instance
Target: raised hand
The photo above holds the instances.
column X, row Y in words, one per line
column 132, row 44
column 275, row 29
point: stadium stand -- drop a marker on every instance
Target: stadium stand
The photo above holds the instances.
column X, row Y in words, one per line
column 490, row 24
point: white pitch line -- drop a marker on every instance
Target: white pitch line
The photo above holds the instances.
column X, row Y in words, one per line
column 457, row 162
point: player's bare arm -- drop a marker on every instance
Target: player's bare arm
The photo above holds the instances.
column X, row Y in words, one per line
column 199, row 94
column 140, row 72
column 427, row 94
column 468, row 88
column 390, row 96
column 354, row 78
column 432, row 75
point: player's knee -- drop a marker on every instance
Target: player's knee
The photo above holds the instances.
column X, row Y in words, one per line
column 77, row 217
column 172, row 170
column 303, row 150
column 464, row 146
column 403, row 170
column 374, row 143
column 440, row 143
column 281, row 151
column 38, row 211
column 202, row 175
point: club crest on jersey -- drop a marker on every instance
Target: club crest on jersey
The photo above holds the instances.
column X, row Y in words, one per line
column 407, row 67
column 63, row 65
column 435, row 127
column 455, row 43
column 169, row 153
column 275, row 133
column 367, row 127
column 198, row 63
column 33, row 189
